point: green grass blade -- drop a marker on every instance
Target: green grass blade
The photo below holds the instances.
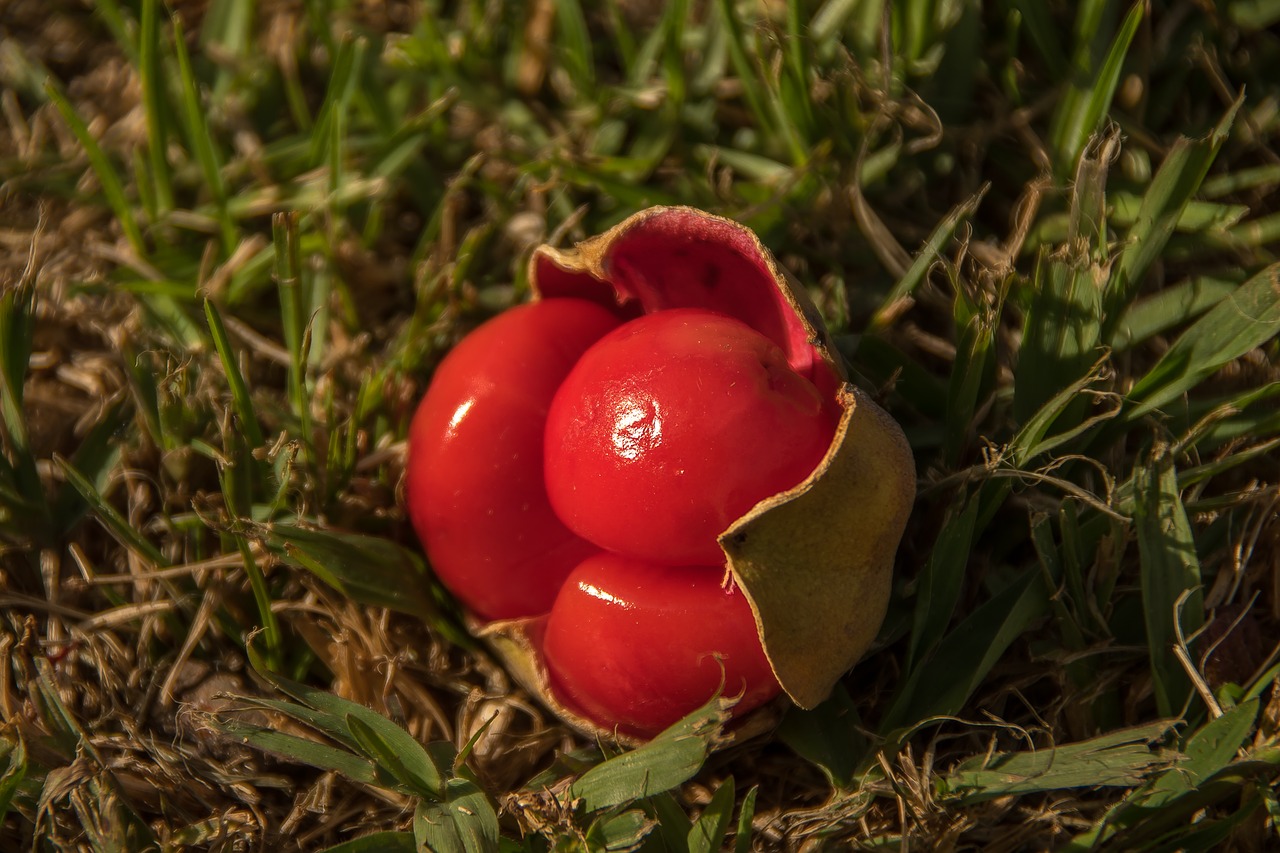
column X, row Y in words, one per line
column 924, row 260
column 227, row 32
column 707, row 834
column 389, row 841
column 574, row 48
column 200, row 138
column 1172, row 601
column 942, row 580
column 155, row 104
column 1178, row 178
column 115, row 523
column 242, row 403
column 391, row 748
column 971, row 374
column 754, row 90
column 17, row 327
column 1087, row 102
column 746, row 816
column 1061, row 334
column 299, row 749
column 1169, row 308
column 1208, row 752
column 464, row 822
column 331, row 725
column 664, row 762
column 96, row 458
column 108, row 177
column 370, row 569
column 1123, row 759
column 942, row 684
column 829, row 737
column 1246, row 319
column 13, row 768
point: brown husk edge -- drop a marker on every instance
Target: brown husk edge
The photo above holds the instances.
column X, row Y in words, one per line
column 815, row 562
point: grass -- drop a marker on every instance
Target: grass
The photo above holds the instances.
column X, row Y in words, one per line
column 238, row 236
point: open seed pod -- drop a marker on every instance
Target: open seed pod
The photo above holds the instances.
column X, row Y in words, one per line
column 813, row 561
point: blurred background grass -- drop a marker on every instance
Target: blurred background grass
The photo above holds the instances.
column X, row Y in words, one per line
column 238, row 235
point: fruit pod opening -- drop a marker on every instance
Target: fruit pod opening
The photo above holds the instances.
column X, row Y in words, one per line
column 815, row 561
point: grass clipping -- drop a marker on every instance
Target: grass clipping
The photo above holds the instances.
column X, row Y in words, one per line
column 815, row 561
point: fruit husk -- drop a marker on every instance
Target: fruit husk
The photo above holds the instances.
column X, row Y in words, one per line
column 815, row 561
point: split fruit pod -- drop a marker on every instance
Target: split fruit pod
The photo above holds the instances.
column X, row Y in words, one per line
column 654, row 482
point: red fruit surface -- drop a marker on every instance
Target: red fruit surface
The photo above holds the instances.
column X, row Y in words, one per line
column 672, row 427
column 474, row 479
column 637, row 646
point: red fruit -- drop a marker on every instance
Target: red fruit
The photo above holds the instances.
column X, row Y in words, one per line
column 474, row 480
column 636, row 646
column 672, row 427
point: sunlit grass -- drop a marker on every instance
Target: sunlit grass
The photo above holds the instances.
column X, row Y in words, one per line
column 235, row 247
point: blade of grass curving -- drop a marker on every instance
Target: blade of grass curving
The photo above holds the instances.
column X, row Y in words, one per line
column 115, row 523
column 393, row 750
column 1196, row 217
column 262, row 600
column 108, row 178
column 1117, row 759
column 673, row 823
column 627, row 830
column 299, row 749
column 1172, row 601
column 1033, row 439
column 1207, row 752
column 1087, row 101
column 1246, row 319
column 929, row 254
column 370, row 569
column 1178, row 178
column 671, row 758
column 332, row 726
column 155, row 104
column 1133, row 825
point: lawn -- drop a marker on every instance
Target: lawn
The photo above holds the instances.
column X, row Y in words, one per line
column 237, row 237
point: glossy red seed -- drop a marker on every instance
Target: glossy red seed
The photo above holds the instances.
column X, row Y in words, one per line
column 638, row 646
column 672, row 427
column 474, row 480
